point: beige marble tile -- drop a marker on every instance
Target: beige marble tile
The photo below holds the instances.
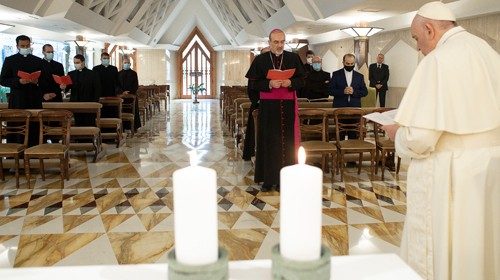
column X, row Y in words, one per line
column 47, row 249
column 72, row 221
column 44, row 201
column 242, row 244
column 112, row 221
column 336, row 238
column 151, row 220
column 134, row 248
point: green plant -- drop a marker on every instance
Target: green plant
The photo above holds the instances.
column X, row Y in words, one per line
column 197, row 88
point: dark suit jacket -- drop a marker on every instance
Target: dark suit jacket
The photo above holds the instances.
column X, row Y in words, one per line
column 338, row 83
column 379, row 76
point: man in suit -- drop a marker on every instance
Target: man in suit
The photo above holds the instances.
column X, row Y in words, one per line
column 379, row 75
column 348, row 86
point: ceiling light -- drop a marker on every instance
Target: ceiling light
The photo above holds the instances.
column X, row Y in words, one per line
column 4, row 26
column 296, row 44
column 362, row 31
column 80, row 41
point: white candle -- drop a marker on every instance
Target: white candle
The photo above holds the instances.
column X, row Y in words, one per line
column 301, row 211
column 195, row 214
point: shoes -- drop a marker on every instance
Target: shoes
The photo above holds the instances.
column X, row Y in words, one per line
column 266, row 188
column 351, row 164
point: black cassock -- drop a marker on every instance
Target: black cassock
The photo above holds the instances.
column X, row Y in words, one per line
column 317, row 85
column 109, row 79
column 28, row 96
column 128, row 81
column 86, row 87
column 275, row 135
column 46, row 81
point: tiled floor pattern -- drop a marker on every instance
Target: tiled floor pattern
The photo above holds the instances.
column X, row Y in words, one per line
column 119, row 210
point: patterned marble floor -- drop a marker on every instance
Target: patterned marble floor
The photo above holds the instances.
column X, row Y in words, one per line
column 119, row 210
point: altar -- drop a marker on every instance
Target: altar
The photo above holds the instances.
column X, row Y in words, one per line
column 372, row 267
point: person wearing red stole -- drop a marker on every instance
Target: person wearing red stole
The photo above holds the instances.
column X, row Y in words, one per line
column 278, row 133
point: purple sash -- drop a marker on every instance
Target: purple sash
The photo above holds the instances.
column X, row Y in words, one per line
column 285, row 94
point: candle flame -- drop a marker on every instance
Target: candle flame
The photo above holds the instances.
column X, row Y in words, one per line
column 192, row 157
column 302, row 155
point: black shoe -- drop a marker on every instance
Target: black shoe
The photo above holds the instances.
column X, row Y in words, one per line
column 266, row 188
column 351, row 164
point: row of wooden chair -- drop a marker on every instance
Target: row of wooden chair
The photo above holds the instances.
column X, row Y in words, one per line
column 53, row 141
column 314, row 126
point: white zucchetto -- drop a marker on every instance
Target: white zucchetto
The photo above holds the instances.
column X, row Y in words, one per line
column 436, row 10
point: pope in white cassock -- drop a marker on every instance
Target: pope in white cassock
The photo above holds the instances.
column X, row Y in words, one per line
column 449, row 125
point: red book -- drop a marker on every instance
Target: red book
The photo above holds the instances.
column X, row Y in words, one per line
column 29, row 76
column 62, row 80
column 275, row 74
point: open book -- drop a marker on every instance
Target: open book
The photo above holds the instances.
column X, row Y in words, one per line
column 29, row 76
column 385, row 118
column 276, row 74
column 62, row 80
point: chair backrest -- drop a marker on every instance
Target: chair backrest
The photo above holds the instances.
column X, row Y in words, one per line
column 111, row 107
column 128, row 105
column 313, row 122
column 349, row 120
column 15, row 122
column 255, row 116
column 55, row 124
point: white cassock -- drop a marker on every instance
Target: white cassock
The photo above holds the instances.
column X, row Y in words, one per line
column 450, row 127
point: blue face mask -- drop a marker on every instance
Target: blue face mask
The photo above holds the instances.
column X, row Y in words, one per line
column 316, row 66
column 25, row 51
column 126, row 66
column 49, row 56
column 105, row 61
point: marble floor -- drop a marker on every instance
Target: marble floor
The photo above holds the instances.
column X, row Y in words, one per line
column 119, row 210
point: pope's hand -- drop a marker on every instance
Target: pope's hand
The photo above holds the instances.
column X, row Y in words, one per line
column 391, row 130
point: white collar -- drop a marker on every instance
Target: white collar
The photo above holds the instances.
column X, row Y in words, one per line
column 448, row 34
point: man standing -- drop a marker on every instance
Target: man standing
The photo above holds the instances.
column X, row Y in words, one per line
column 128, row 84
column 24, row 93
column 317, row 81
column 379, row 75
column 50, row 89
column 449, row 124
column 348, row 87
column 278, row 124
column 108, row 75
column 86, row 87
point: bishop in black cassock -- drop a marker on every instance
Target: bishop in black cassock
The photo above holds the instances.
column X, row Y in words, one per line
column 276, row 135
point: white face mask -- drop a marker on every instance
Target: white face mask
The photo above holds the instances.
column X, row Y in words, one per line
column 105, row 61
column 78, row 66
column 49, row 56
column 25, row 51
column 126, row 66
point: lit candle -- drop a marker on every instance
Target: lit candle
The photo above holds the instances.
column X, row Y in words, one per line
column 195, row 214
column 300, row 210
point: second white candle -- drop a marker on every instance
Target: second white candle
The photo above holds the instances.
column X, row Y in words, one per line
column 301, row 211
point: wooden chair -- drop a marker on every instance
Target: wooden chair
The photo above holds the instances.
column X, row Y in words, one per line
column 352, row 146
column 13, row 123
column 314, row 131
column 54, row 124
column 128, row 111
column 111, row 126
column 255, row 116
column 384, row 147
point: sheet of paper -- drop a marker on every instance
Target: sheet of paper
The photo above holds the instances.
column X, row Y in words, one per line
column 275, row 74
column 385, row 118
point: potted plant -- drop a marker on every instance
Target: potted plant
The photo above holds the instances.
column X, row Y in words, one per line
column 195, row 89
